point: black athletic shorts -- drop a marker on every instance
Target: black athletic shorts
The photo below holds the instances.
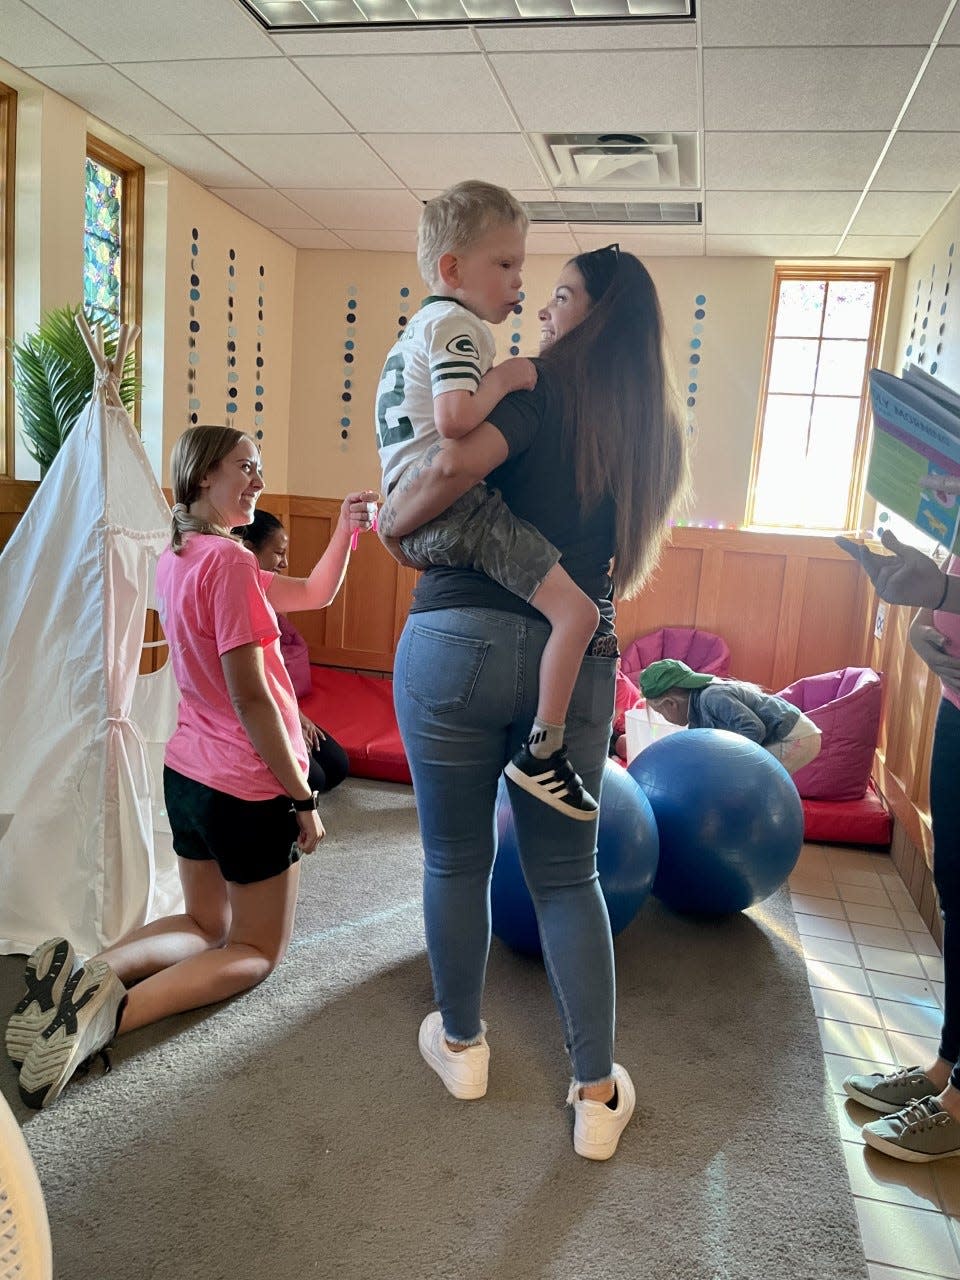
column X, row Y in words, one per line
column 250, row 840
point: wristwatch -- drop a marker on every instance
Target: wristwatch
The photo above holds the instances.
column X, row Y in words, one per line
column 305, row 806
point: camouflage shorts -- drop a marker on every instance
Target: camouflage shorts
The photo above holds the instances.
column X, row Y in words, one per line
column 479, row 531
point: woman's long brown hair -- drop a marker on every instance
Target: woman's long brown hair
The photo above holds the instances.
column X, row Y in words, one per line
column 621, row 411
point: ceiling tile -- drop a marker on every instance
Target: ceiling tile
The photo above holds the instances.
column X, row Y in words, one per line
column 171, row 29
column 246, row 95
column 267, row 207
column 305, row 239
column 952, row 33
column 439, row 160
column 767, row 246
column 779, row 212
column 578, row 37
column 646, row 244
column 745, row 23
column 112, row 98
column 920, row 162
column 363, row 210
column 800, row 89
column 199, row 159
column 790, row 161
column 934, row 105
column 878, row 246
column 898, row 213
column 540, row 240
column 384, row 40
column 378, row 94
column 648, row 90
column 325, row 160
column 384, row 241
column 31, row 41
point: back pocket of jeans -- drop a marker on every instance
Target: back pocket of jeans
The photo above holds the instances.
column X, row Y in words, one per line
column 440, row 670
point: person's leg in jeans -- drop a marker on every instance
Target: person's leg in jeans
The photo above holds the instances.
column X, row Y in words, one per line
column 455, row 690
column 559, row 863
column 945, row 816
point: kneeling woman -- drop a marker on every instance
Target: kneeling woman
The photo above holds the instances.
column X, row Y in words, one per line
column 235, row 781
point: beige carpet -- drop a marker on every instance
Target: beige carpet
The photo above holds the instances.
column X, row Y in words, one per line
column 295, row 1132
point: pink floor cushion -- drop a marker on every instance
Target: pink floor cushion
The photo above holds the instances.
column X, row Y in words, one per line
column 700, row 650
column 845, row 706
column 863, row 821
column 358, row 711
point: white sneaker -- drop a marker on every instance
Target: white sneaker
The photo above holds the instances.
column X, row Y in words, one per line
column 464, row 1072
column 597, row 1127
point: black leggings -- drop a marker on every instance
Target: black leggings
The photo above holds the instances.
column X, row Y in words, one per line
column 945, row 820
column 328, row 764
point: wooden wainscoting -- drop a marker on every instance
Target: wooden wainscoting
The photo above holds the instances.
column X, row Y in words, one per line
column 787, row 605
column 15, row 496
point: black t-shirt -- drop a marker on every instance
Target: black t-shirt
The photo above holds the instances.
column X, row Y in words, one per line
column 538, row 483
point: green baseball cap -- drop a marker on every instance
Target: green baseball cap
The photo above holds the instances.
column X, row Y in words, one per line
column 670, row 673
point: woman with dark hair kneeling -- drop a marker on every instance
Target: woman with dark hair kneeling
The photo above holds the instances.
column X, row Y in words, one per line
column 266, row 537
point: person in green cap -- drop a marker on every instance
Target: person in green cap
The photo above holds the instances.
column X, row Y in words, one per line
column 687, row 697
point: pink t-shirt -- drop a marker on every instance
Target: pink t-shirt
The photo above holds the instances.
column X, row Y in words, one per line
column 212, row 598
column 948, row 624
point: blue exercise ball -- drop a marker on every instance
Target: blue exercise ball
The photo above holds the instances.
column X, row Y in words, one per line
column 729, row 817
column 627, row 853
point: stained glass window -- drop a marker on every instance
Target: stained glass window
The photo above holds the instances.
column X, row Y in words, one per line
column 102, row 239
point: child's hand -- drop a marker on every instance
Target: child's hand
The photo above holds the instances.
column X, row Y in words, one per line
column 358, row 512
column 519, row 373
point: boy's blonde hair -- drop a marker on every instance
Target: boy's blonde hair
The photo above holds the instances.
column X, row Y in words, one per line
column 458, row 217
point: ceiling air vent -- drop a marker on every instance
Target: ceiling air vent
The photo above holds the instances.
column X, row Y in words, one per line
column 644, row 161
column 659, row 213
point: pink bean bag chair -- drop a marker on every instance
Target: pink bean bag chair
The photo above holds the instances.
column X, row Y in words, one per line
column 700, row 650
column 845, row 707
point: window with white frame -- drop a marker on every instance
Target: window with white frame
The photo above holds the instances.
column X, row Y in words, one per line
column 813, row 421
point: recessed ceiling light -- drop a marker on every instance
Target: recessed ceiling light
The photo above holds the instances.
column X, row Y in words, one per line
column 309, row 15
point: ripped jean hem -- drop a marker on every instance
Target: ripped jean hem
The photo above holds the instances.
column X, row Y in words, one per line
column 467, row 1041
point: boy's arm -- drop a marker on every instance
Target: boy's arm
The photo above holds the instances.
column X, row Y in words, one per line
column 457, row 412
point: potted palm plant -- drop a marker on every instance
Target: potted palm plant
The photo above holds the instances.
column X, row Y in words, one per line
column 54, row 375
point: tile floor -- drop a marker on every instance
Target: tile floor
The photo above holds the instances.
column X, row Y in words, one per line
column 876, row 977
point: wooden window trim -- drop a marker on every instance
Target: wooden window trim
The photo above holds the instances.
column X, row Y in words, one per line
column 131, row 231
column 8, row 148
column 881, row 277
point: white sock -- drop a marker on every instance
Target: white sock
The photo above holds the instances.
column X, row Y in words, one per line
column 545, row 739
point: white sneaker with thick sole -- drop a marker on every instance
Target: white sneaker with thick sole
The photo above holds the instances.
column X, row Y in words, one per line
column 49, row 968
column 86, row 1022
column 596, row 1126
column 465, row 1072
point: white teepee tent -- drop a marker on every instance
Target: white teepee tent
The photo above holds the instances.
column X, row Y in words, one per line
column 85, row 849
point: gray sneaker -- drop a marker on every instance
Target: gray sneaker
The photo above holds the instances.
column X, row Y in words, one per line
column 86, row 1022
column 891, row 1092
column 49, row 968
column 921, row 1132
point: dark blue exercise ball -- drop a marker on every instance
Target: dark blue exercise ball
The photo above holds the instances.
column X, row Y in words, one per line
column 729, row 817
column 627, row 852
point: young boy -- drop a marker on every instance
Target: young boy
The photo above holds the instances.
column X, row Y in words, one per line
column 439, row 381
column 686, row 697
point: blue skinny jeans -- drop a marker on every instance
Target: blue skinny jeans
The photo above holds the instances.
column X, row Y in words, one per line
column 945, row 820
column 465, row 687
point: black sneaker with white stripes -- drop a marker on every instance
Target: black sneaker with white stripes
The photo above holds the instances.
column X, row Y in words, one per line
column 554, row 781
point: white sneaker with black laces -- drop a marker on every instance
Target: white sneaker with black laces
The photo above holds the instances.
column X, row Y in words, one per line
column 86, row 1022
column 554, row 781
column 597, row 1126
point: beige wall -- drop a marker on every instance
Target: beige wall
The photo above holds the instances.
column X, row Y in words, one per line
column 51, row 149
column 932, row 286
column 322, row 464
column 221, row 229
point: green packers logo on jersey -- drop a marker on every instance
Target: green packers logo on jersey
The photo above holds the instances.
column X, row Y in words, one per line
column 463, row 346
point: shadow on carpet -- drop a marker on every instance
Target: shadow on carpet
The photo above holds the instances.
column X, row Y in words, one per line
column 295, row 1132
